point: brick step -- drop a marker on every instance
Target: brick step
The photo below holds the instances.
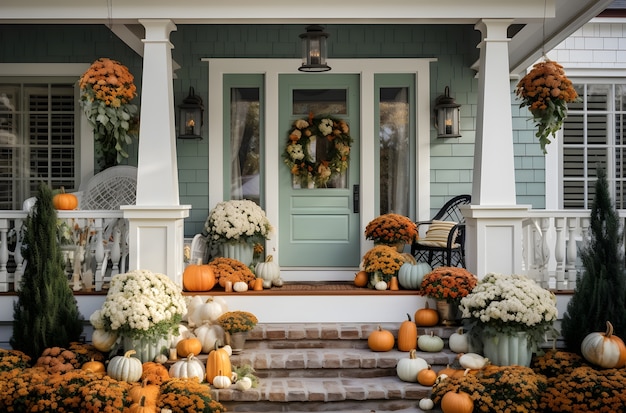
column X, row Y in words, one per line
column 329, row 362
column 325, row 395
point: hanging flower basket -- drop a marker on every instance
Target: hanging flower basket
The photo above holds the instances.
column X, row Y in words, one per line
column 546, row 91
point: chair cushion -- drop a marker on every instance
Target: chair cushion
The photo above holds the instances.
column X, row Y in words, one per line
column 437, row 234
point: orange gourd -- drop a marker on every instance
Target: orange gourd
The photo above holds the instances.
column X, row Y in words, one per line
column 218, row 364
column 380, row 340
column 154, row 373
column 199, row 277
column 457, row 402
column 187, row 346
column 407, row 335
column 426, row 317
column 450, row 371
column 361, row 279
column 65, row 201
column 427, row 376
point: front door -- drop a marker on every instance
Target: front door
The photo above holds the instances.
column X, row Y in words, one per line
column 319, row 222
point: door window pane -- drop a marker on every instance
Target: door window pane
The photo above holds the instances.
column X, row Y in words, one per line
column 395, row 154
column 245, row 144
column 320, row 101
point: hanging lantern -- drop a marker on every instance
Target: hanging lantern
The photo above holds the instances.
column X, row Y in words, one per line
column 447, row 116
column 190, row 119
column 314, row 50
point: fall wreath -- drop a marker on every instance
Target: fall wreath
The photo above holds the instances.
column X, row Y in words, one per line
column 303, row 157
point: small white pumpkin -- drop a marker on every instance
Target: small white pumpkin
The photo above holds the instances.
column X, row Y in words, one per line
column 240, row 287
column 243, row 384
column 473, row 361
column 187, row 368
column 430, row 343
column 268, row 271
column 380, row 285
column 426, row 404
column 407, row 368
column 227, row 348
column 207, row 312
column 458, row 342
column 221, row 382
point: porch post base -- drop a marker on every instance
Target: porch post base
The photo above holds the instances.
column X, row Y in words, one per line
column 494, row 238
column 156, row 236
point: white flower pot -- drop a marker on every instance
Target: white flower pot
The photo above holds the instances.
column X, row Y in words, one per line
column 147, row 350
column 239, row 251
column 508, row 349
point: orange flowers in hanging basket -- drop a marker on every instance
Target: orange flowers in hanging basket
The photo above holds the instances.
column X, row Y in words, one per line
column 546, row 91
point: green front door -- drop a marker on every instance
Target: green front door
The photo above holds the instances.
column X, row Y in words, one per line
column 319, row 224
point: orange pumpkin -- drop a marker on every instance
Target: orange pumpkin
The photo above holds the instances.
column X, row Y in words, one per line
column 154, row 373
column 142, row 407
column 457, row 402
column 380, row 340
column 94, row 367
column 361, row 279
column 407, row 335
column 218, row 364
column 65, row 201
column 187, row 346
column 427, row 376
column 426, row 317
column 148, row 392
column 199, row 277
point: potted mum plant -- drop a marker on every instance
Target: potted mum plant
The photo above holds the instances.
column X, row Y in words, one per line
column 237, row 324
column 447, row 285
column 392, row 229
column 508, row 311
column 381, row 263
column 143, row 309
column 235, row 227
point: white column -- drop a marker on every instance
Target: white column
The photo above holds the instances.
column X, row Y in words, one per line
column 494, row 221
column 156, row 221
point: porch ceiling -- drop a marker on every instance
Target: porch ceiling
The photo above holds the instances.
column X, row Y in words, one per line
column 562, row 17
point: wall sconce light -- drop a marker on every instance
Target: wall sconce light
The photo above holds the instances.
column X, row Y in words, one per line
column 447, row 116
column 314, row 50
column 190, row 117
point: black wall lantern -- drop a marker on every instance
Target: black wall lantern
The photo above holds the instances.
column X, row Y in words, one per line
column 447, row 116
column 314, row 50
column 190, row 117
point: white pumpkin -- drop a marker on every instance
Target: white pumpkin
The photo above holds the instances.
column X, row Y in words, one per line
column 125, row 368
column 458, row 342
column 240, row 287
column 187, row 368
column 407, row 368
column 269, row 271
column 103, row 340
column 192, row 304
column 209, row 335
column 221, row 382
column 604, row 349
column 380, row 285
column 473, row 361
column 243, row 384
column 430, row 343
column 207, row 312
column 426, row 404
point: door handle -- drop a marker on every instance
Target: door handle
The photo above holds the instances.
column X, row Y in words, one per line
column 356, row 201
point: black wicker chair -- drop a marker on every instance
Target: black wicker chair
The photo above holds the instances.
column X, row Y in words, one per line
column 452, row 252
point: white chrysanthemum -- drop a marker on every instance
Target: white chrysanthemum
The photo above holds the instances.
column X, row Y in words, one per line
column 237, row 219
column 326, row 126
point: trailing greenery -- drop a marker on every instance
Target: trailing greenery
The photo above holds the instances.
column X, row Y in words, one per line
column 600, row 294
column 46, row 313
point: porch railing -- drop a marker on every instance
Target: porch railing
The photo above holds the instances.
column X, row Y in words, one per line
column 550, row 247
column 95, row 239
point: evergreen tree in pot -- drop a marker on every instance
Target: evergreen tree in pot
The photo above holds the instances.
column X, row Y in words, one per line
column 46, row 313
column 600, row 294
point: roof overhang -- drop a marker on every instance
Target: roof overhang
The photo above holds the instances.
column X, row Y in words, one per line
column 545, row 23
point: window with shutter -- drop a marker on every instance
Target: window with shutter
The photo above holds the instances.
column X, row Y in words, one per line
column 37, row 139
column 593, row 135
